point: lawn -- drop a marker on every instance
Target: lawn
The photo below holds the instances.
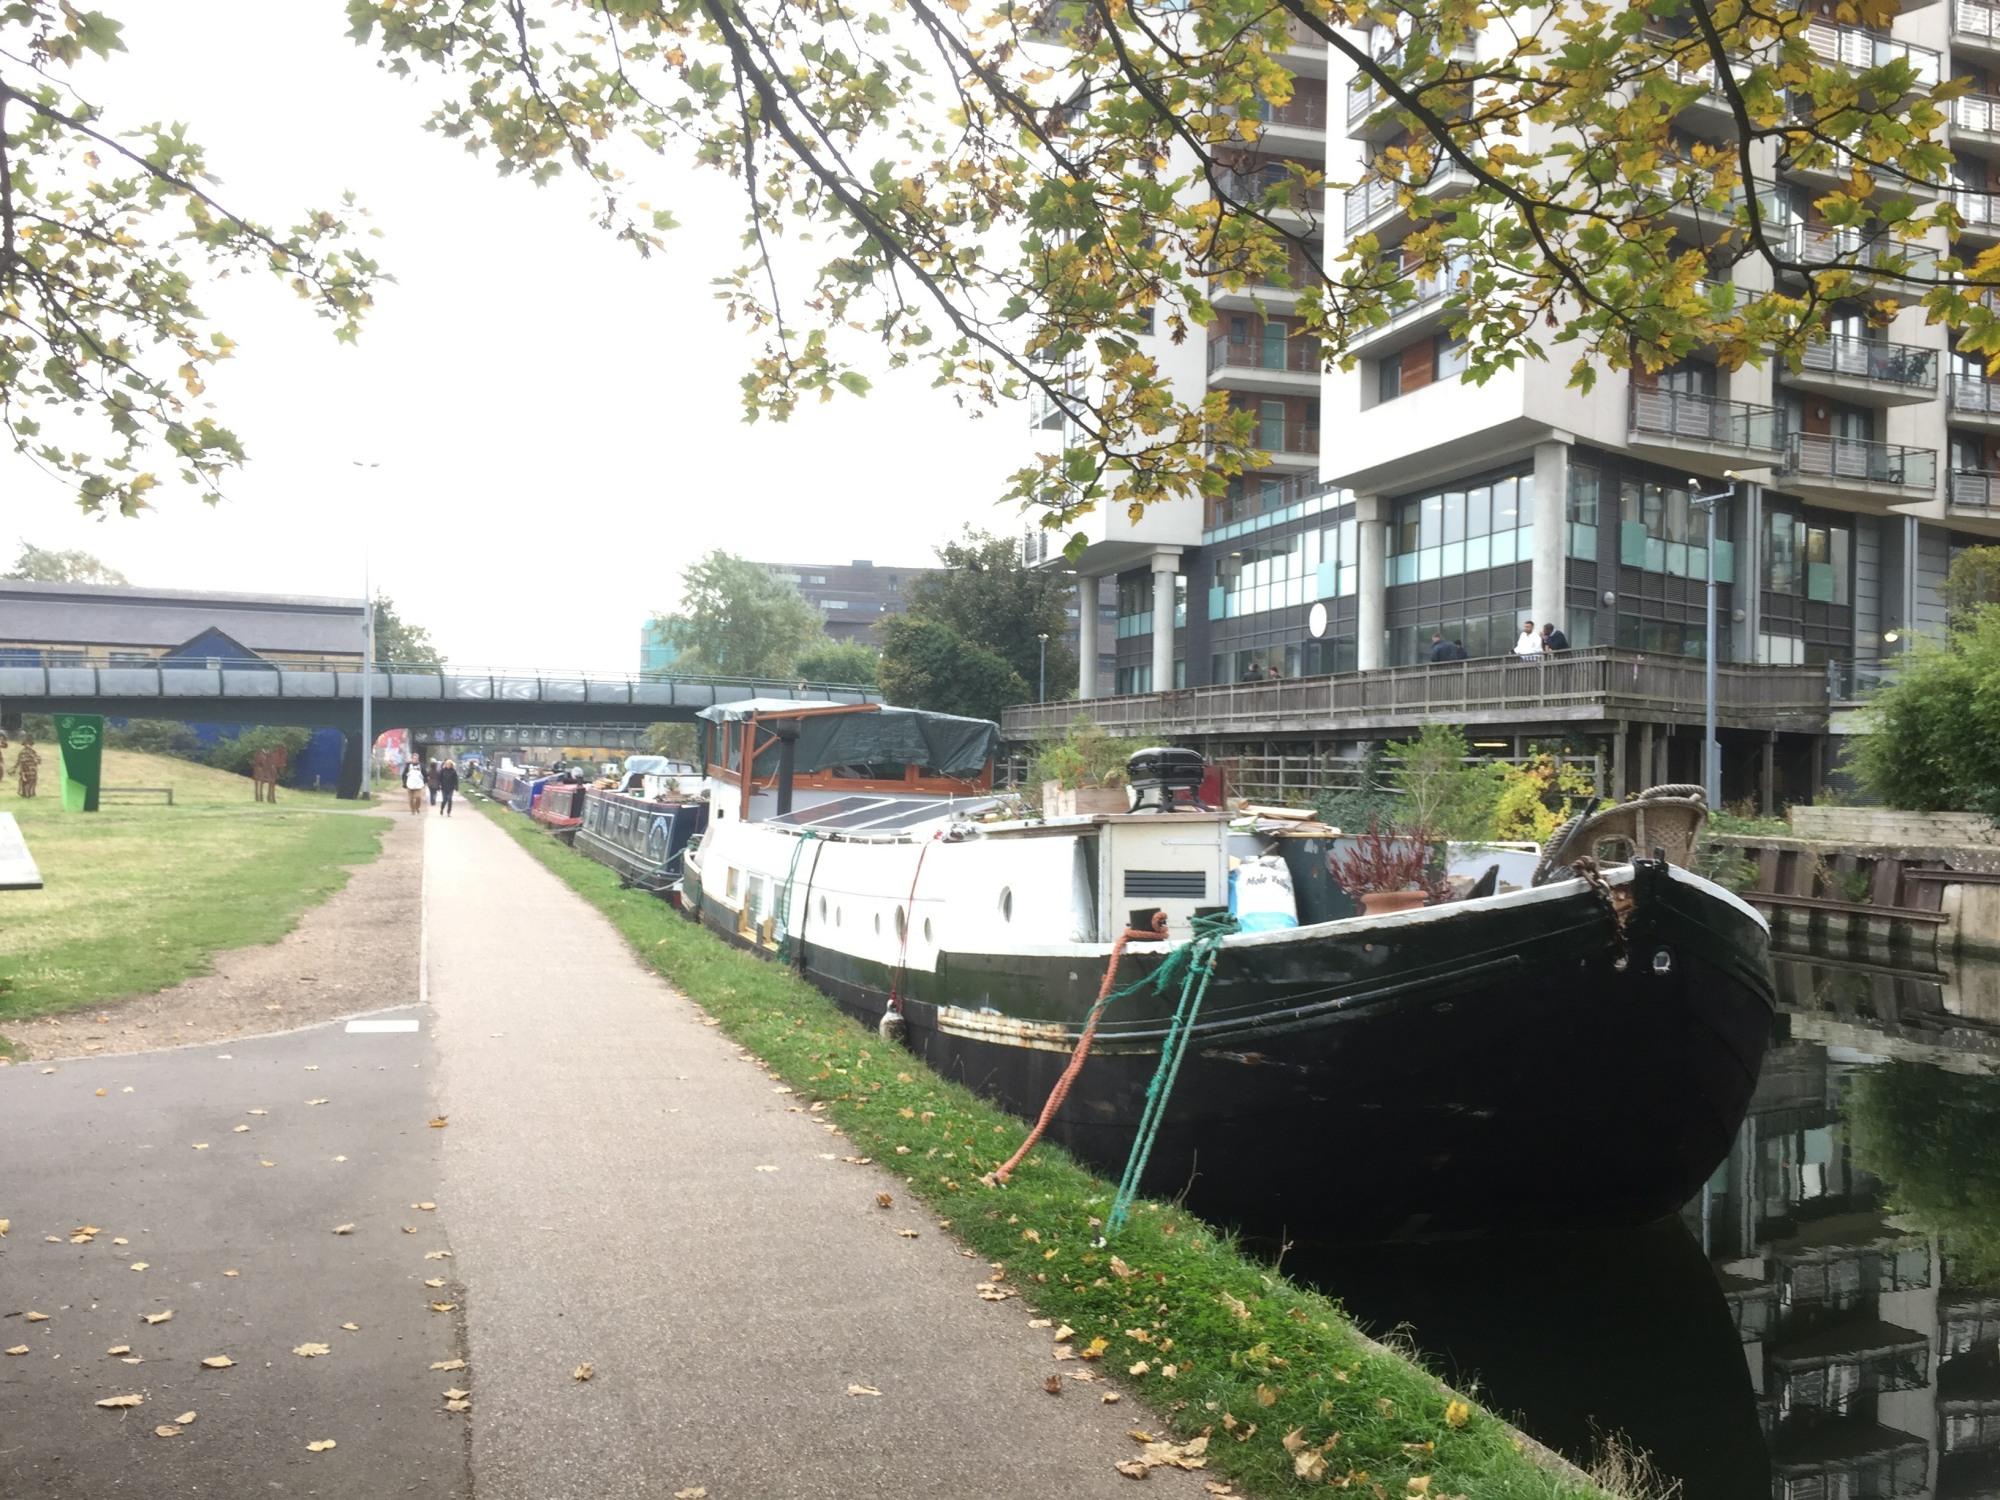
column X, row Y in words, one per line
column 137, row 897
column 1270, row 1377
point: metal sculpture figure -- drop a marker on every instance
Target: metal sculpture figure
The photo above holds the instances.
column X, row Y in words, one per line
column 266, row 766
column 28, row 767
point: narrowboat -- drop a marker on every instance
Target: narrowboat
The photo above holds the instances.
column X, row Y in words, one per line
column 1575, row 1052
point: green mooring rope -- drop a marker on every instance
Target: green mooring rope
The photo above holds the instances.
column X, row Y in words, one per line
column 1192, row 965
column 785, row 943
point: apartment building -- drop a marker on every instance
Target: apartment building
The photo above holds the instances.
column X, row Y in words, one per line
column 1400, row 500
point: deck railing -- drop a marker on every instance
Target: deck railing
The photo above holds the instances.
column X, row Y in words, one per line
column 1974, row 395
column 1853, row 47
column 1588, row 682
column 1705, row 420
column 1861, row 460
column 1870, row 359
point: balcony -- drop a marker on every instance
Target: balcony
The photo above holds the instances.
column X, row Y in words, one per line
column 1975, row 492
column 1369, row 115
column 1289, row 447
column 1297, row 127
column 1707, row 219
column 1818, row 463
column 1854, row 48
column 1973, row 401
column 1374, row 205
column 1864, row 370
column 1975, row 28
column 1975, row 123
column 1682, row 422
column 1824, row 247
column 1045, row 413
column 1688, row 63
column 1978, row 215
column 1289, row 195
column 1276, row 365
column 1427, row 314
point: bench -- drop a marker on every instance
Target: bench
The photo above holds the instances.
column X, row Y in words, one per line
column 136, row 791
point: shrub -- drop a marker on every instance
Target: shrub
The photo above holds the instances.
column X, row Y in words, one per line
column 235, row 754
column 1935, row 740
column 155, row 737
column 1088, row 755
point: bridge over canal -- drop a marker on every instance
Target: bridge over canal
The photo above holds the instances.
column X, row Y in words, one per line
column 329, row 694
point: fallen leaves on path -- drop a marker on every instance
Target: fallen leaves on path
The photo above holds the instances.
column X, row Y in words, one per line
column 217, row 1362
column 35, row 1317
column 18, row 1349
column 909, row 1234
column 256, row 1111
column 1133, row 1468
column 239, row 1129
column 449, row 1364
column 444, row 1307
column 700, row 1491
column 426, row 1207
column 311, row 1351
column 315, row 1101
column 119, row 1403
column 988, row 1292
column 439, row 1123
column 1110, row 1398
column 5, row 1225
column 321, row 1446
column 884, row 1200
column 232, row 1273
column 343, row 1229
column 351, row 1327
column 159, row 1317
column 166, row 1430
column 201, row 1145
column 582, row 1372
column 435, row 1281
column 409, row 1229
column 119, row 1349
column 767, row 1169
column 437, row 1255
column 862, row 1390
column 184, row 1418
column 458, row 1406
column 455, row 1394
column 1053, row 1385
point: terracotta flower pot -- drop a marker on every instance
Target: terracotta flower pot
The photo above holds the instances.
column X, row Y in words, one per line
column 1380, row 903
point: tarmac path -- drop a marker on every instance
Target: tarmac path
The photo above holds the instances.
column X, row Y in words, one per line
column 613, row 1183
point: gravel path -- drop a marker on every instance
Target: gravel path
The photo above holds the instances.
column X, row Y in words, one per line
column 356, row 951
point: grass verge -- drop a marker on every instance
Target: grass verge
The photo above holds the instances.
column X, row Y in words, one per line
column 1291, row 1396
column 137, row 896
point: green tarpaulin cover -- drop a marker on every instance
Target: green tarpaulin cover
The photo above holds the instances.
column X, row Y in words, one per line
column 884, row 740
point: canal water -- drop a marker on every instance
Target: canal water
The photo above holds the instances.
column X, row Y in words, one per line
column 1822, row 1323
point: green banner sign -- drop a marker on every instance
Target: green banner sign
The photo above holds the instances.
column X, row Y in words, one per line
column 80, row 741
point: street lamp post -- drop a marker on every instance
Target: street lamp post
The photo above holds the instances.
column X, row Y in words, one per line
column 1711, row 749
column 367, row 663
column 1042, row 686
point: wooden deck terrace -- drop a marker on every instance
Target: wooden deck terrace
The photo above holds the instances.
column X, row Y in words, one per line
column 1600, row 687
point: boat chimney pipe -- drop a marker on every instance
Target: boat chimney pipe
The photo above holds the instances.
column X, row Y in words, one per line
column 787, row 734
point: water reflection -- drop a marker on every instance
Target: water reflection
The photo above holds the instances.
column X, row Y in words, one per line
column 1823, row 1323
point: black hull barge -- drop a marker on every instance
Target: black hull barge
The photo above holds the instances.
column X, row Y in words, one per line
column 1439, row 1072
column 1576, row 1053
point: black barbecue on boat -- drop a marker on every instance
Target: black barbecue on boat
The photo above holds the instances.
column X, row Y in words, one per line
column 1575, row 1051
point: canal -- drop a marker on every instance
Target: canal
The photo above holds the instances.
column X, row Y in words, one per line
column 1821, row 1323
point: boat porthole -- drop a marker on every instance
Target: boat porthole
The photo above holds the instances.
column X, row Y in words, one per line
column 1663, row 962
column 822, row 908
column 878, row 924
column 902, row 923
column 927, row 929
column 836, row 916
column 1006, row 903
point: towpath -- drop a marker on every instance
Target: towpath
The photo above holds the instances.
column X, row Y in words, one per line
column 626, row 1189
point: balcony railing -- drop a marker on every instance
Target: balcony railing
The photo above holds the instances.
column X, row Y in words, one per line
column 1303, row 112
column 1303, row 38
column 1974, row 396
column 1862, row 460
column 1250, row 187
column 1974, row 22
column 1976, row 489
column 1978, row 113
column 1374, row 197
column 1365, row 97
column 1301, row 356
column 1978, row 211
column 1704, row 419
column 1262, row 495
column 1865, row 359
column 1855, row 48
column 1588, row 682
column 1824, row 245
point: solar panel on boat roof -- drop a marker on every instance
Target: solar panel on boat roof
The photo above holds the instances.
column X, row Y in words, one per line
column 872, row 814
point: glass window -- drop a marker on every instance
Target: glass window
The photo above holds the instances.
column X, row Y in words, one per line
column 1479, row 510
column 1389, row 379
column 1583, row 483
column 1450, row 359
column 1782, row 541
column 1506, row 504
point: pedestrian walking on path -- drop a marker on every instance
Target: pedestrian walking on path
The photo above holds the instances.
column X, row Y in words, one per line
column 431, row 779
column 447, row 783
column 413, row 783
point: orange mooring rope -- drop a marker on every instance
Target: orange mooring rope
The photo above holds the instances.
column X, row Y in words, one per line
column 1061, row 1091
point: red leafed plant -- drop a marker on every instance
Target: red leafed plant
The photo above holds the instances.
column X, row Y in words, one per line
column 1386, row 860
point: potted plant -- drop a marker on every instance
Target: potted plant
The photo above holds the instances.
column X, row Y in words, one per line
column 1386, row 871
column 1085, row 772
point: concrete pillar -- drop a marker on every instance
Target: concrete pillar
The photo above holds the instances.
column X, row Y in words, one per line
column 1767, row 777
column 1549, row 577
column 1645, row 757
column 1371, row 516
column 1746, row 592
column 1086, row 637
column 1166, row 562
column 1620, row 784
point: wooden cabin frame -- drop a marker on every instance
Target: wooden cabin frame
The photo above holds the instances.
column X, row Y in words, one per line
column 748, row 739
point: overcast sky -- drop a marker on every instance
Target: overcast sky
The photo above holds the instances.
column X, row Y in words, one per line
column 556, row 422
